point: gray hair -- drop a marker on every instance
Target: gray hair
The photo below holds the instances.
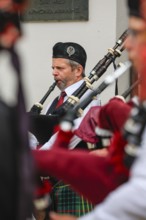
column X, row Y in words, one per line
column 74, row 65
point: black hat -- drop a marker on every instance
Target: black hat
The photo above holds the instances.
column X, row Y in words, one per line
column 134, row 8
column 71, row 51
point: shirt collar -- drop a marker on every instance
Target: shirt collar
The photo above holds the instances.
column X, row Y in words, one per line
column 72, row 88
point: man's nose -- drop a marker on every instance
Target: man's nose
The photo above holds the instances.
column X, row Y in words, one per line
column 55, row 72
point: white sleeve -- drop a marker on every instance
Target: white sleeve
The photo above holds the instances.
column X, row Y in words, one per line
column 126, row 203
column 48, row 145
column 33, row 142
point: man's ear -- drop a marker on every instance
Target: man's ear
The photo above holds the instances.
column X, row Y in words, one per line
column 79, row 70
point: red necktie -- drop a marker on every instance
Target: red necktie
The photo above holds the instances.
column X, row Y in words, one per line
column 61, row 99
column 59, row 103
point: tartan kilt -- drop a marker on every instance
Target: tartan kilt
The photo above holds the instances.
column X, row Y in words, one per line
column 66, row 201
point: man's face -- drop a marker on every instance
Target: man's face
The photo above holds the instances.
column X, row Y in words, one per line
column 136, row 39
column 64, row 74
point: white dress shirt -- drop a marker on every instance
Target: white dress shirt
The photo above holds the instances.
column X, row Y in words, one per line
column 128, row 202
column 69, row 91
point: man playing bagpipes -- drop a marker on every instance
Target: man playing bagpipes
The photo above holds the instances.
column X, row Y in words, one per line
column 68, row 69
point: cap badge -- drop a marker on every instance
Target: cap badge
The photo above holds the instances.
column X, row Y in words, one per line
column 70, row 50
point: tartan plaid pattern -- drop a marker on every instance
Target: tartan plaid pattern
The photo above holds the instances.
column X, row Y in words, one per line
column 66, row 201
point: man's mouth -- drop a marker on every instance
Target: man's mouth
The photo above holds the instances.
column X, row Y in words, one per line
column 58, row 81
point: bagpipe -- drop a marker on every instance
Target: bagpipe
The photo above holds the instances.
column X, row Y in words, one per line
column 38, row 106
column 94, row 75
column 68, row 120
column 131, row 88
column 42, row 125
